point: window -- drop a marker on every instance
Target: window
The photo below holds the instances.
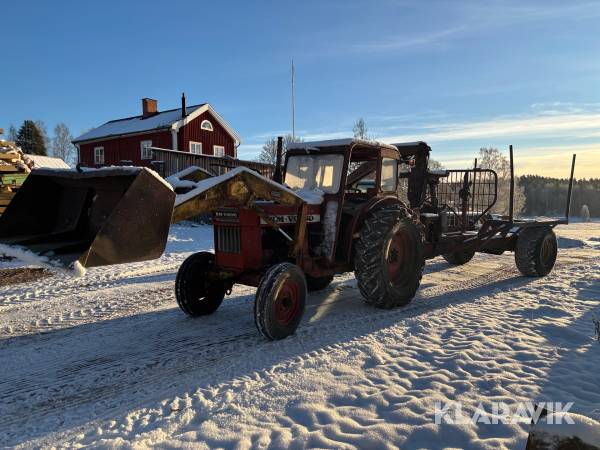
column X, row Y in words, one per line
column 99, row 155
column 322, row 172
column 146, row 150
column 206, row 125
column 389, row 174
column 218, row 150
column 196, row 147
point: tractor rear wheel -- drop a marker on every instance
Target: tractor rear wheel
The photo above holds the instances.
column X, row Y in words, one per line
column 196, row 294
column 458, row 258
column 389, row 258
column 317, row 283
column 280, row 301
column 536, row 250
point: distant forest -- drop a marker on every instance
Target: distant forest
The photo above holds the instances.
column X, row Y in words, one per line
column 548, row 196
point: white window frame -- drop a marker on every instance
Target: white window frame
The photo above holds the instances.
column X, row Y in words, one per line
column 98, row 151
column 221, row 148
column 145, row 152
column 206, row 125
column 194, row 146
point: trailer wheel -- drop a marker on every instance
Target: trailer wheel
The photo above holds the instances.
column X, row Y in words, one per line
column 317, row 283
column 536, row 250
column 280, row 301
column 389, row 258
column 458, row 258
column 196, row 295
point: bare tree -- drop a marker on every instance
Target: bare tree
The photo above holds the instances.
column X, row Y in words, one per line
column 12, row 133
column 268, row 154
column 435, row 165
column 61, row 143
column 492, row 158
column 360, row 129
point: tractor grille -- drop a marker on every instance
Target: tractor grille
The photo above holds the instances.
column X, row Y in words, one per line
column 228, row 239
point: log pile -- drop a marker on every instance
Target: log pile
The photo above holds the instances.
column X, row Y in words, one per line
column 14, row 167
column 12, row 159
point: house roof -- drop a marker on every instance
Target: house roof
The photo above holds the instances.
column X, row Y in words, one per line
column 48, row 162
column 164, row 120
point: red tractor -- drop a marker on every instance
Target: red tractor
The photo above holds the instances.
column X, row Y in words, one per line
column 337, row 208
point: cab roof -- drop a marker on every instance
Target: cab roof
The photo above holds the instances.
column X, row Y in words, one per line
column 322, row 145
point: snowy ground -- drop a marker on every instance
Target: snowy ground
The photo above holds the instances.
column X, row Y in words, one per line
column 110, row 361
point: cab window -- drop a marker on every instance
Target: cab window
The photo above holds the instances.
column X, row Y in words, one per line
column 389, row 175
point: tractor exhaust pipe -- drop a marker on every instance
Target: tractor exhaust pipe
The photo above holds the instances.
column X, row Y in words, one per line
column 277, row 175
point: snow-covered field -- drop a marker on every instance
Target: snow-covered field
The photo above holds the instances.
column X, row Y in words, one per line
column 110, row 361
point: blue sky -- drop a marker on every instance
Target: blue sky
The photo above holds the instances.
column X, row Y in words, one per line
column 460, row 75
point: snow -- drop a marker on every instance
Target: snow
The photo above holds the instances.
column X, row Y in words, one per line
column 109, row 361
column 136, row 124
column 336, row 143
column 47, row 162
column 585, row 428
column 31, row 258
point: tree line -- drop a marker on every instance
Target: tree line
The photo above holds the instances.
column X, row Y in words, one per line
column 548, row 196
column 33, row 139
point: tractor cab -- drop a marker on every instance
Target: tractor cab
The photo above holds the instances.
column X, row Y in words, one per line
column 353, row 175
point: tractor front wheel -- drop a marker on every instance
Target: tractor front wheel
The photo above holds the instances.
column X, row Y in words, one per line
column 280, row 301
column 196, row 294
column 389, row 258
column 458, row 258
column 536, row 250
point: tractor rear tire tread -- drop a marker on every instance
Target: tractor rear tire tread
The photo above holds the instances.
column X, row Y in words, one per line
column 371, row 274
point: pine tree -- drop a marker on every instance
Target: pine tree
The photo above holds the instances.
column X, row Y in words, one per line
column 30, row 139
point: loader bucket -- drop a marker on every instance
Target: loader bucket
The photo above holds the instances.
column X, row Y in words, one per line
column 97, row 217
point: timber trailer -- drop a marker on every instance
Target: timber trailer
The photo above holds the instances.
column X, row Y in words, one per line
column 334, row 207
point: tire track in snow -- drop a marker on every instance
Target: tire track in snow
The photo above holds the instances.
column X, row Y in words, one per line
column 161, row 347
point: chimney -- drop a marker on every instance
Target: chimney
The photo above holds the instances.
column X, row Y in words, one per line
column 149, row 107
column 183, row 109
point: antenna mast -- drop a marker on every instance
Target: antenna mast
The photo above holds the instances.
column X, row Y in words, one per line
column 293, row 104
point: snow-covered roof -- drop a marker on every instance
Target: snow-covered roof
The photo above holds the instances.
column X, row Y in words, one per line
column 48, row 162
column 336, row 143
column 409, row 144
column 163, row 120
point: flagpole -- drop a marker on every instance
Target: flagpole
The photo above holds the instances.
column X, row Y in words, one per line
column 293, row 104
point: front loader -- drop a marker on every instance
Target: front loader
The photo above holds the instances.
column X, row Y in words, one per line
column 338, row 209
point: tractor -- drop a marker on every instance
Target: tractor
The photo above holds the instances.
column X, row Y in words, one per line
column 336, row 206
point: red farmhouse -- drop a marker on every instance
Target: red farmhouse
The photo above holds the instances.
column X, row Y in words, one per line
column 197, row 129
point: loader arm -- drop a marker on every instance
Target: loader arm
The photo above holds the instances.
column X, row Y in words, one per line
column 239, row 187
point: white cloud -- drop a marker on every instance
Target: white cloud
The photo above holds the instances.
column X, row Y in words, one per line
column 555, row 125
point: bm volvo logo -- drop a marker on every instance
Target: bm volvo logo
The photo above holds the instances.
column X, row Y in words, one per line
column 292, row 218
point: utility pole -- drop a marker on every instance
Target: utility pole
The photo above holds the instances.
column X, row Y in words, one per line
column 293, row 104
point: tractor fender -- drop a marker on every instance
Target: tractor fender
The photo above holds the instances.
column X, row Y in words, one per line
column 374, row 204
